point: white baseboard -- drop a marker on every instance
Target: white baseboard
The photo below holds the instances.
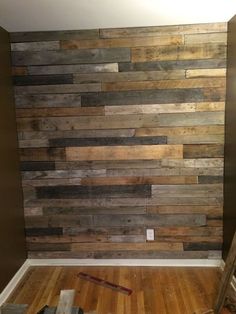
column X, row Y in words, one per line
column 128, row 262
column 105, row 262
column 14, row 281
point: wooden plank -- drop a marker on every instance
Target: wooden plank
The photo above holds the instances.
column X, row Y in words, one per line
column 193, row 73
column 62, row 174
column 19, row 71
column 53, row 35
column 196, row 190
column 47, row 100
column 205, row 38
column 20, row 58
column 172, row 65
column 189, row 231
column 58, row 221
column 194, row 209
column 35, row 46
column 165, row 108
column 34, row 135
column 110, row 141
column 165, row 84
column 13, row 308
column 33, row 143
column 153, row 96
column 210, row 179
column 191, row 119
column 51, row 182
column 185, row 52
column 120, row 164
column 37, row 165
column 77, row 192
column 43, row 79
column 36, row 232
column 99, row 210
column 66, row 301
column 108, row 122
column 121, row 152
column 151, row 220
column 181, row 131
column 42, row 154
column 140, row 180
column 75, row 68
column 146, row 109
column 209, row 201
column 203, row 151
column 211, row 106
column 58, row 89
column 123, row 42
column 129, row 76
column 197, row 139
column 59, row 112
column 193, row 163
column 157, row 30
column 126, row 247
column 202, row 246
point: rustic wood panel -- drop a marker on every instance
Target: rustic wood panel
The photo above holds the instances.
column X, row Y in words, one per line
column 153, row 96
column 123, row 42
column 172, row 65
column 207, row 51
column 127, row 152
column 122, row 130
column 50, row 35
column 158, row 30
column 47, row 100
column 129, row 76
column 70, row 56
column 164, row 84
column 69, row 69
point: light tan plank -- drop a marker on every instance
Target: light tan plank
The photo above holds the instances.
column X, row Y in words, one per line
column 122, row 152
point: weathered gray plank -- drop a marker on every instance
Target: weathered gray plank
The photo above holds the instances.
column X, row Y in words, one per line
column 75, row 68
column 53, row 35
column 62, row 174
column 150, row 220
column 172, row 65
column 47, row 100
column 129, row 76
column 81, row 210
column 202, row 190
column 152, row 97
column 76, row 134
column 71, row 56
column 37, row 165
column 58, row 89
column 13, row 308
column 35, row 46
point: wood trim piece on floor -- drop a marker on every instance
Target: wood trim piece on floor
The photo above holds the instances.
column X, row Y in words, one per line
column 104, row 262
column 14, row 281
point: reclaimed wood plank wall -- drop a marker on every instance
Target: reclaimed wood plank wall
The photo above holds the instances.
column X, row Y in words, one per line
column 121, row 130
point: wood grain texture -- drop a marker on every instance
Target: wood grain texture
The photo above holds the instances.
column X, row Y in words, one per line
column 123, row 42
column 207, row 51
column 191, row 290
column 121, row 130
column 121, row 152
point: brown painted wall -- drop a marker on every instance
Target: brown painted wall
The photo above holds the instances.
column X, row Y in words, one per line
column 230, row 141
column 12, row 240
column 122, row 130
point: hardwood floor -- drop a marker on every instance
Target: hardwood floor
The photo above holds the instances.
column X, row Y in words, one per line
column 156, row 290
